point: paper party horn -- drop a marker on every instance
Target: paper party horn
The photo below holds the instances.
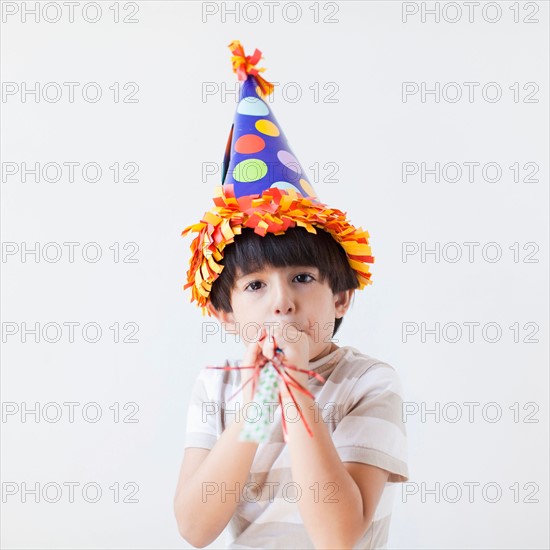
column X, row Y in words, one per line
column 266, row 381
column 267, row 393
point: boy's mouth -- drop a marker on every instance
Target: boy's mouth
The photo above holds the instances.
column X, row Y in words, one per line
column 272, row 325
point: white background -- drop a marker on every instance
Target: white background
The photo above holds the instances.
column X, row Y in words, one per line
column 170, row 52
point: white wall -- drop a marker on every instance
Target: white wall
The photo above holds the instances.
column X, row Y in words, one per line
column 369, row 132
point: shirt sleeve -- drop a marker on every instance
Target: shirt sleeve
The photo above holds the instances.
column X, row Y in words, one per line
column 372, row 430
column 202, row 413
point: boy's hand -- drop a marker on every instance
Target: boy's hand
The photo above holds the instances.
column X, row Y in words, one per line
column 253, row 351
column 295, row 346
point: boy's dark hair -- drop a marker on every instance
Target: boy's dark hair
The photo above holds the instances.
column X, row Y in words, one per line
column 251, row 252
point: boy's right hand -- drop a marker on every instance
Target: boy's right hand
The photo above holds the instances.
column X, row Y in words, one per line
column 253, row 352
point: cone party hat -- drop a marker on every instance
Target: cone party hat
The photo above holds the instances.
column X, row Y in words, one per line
column 264, row 187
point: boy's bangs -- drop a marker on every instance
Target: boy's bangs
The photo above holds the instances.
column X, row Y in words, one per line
column 252, row 252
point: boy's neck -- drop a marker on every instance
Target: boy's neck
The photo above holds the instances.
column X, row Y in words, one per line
column 325, row 352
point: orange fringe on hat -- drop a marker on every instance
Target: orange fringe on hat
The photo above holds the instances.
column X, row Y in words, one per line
column 273, row 212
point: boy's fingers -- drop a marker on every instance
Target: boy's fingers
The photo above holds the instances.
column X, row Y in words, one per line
column 251, row 354
column 254, row 348
column 268, row 349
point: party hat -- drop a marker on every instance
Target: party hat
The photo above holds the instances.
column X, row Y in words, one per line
column 258, row 156
column 264, row 187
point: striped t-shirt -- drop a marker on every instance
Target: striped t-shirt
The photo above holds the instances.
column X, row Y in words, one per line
column 361, row 404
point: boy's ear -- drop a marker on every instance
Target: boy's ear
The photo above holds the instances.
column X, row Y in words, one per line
column 342, row 301
column 227, row 319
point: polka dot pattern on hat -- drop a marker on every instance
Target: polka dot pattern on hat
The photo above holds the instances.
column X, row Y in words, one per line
column 259, row 156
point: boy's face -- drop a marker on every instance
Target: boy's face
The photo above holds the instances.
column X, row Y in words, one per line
column 277, row 296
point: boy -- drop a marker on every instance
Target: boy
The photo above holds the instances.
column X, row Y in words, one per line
column 270, row 258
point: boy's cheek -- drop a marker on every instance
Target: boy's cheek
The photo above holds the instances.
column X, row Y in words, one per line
column 297, row 353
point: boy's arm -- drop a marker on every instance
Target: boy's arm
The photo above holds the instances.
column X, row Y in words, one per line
column 202, row 506
column 338, row 500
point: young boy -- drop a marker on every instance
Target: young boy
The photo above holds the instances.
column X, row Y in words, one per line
column 279, row 268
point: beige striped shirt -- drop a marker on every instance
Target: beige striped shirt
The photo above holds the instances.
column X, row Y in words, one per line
column 361, row 404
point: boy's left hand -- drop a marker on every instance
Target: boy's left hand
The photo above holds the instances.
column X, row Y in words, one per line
column 295, row 346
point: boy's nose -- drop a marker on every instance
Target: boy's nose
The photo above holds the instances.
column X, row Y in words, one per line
column 284, row 309
column 283, row 302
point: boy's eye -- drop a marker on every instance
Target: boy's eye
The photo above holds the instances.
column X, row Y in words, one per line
column 256, row 285
column 252, row 286
column 304, row 275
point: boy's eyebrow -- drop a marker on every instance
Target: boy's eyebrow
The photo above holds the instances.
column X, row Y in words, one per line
column 243, row 275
